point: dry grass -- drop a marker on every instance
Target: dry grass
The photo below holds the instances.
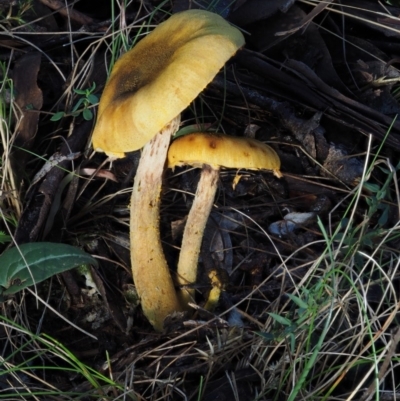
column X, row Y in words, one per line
column 331, row 332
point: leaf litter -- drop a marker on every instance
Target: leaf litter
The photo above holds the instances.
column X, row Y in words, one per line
column 320, row 81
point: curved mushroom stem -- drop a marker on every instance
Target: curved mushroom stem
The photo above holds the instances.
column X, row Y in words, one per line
column 151, row 275
column 193, row 233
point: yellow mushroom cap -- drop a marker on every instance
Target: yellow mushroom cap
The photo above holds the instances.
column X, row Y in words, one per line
column 219, row 150
column 156, row 80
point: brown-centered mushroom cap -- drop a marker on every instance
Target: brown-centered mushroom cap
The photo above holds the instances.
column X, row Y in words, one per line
column 152, row 83
column 148, row 88
column 219, row 150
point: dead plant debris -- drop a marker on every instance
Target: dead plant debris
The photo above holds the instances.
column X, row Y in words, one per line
column 307, row 265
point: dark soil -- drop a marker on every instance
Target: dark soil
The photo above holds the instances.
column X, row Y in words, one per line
column 315, row 84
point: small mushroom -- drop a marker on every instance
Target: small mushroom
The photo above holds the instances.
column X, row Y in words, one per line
column 148, row 88
column 211, row 151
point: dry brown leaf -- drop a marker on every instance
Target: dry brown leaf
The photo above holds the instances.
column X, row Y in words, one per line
column 29, row 97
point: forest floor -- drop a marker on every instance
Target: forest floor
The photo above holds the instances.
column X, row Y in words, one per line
column 307, row 265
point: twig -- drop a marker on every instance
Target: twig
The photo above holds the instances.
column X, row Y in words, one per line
column 374, row 386
column 74, row 15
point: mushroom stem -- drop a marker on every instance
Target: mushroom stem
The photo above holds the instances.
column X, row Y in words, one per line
column 150, row 271
column 193, row 233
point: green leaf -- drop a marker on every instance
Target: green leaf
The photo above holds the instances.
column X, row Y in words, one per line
column 190, row 129
column 92, row 99
column 265, row 336
column 374, row 188
column 58, row 116
column 78, row 104
column 87, row 114
column 298, row 301
column 281, row 319
column 35, row 262
column 4, row 237
column 292, row 343
column 80, row 91
column 290, row 329
column 384, row 217
column 384, row 169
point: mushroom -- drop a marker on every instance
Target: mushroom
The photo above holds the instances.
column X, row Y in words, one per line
column 211, row 151
column 147, row 90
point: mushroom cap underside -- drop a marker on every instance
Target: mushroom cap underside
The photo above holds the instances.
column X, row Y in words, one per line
column 156, row 80
column 220, row 150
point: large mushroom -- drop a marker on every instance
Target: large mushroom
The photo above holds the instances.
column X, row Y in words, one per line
column 148, row 88
column 211, row 151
